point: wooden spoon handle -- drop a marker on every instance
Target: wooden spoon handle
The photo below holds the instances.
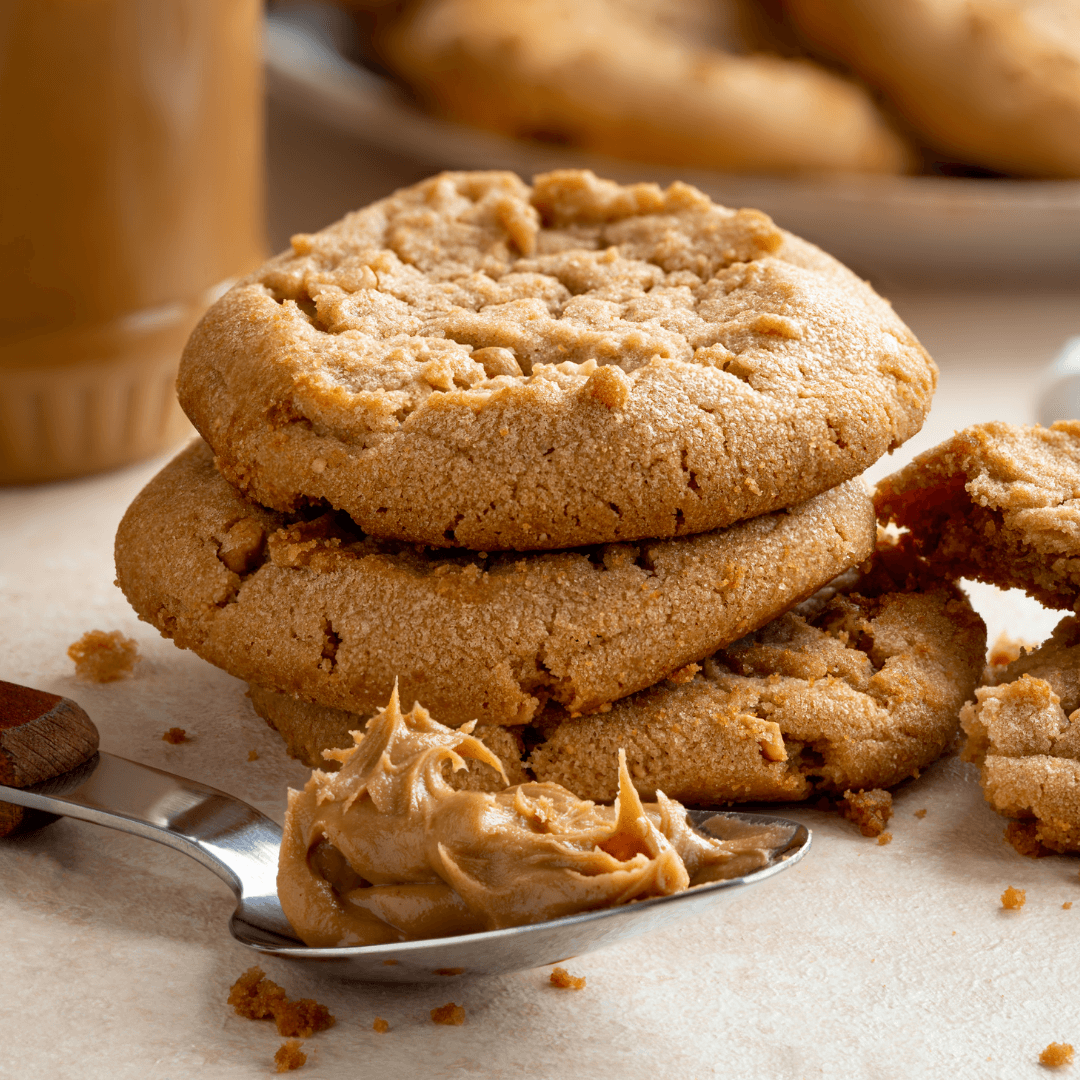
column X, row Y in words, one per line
column 41, row 735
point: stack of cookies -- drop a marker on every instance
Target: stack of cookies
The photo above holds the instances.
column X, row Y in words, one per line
column 576, row 461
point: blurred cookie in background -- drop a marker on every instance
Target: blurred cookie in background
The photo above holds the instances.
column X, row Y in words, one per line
column 994, row 83
column 673, row 82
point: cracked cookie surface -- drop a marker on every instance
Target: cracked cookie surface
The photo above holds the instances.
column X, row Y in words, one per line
column 314, row 607
column 475, row 362
column 997, row 502
column 860, row 687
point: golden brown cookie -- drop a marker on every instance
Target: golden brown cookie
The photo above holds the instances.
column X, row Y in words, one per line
column 1025, row 737
column 859, row 689
column 473, row 362
column 662, row 83
column 999, row 503
column 312, row 606
column 990, row 82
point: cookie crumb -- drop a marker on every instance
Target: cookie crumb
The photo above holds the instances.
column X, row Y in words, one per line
column 302, row 1018
column 449, row 1014
column 684, row 674
column 391, row 963
column 1023, row 837
column 1013, row 899
column 1067, row 906
column 289, row 1056
column 562, row 978
column 380, row 1025
column 609, row 385
column 175, row 736
column 256, row 997
column 449, row 971
column 884, row 838
column 870, row 810
column 920, row 814
column 1057, row 1054
column 253, row 755
column 104, row 657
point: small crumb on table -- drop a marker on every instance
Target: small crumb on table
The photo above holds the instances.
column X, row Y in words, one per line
column 449, row 971
column 253, row 755
column 562, row 978
column 920, row 813
column 1013, row 899
column 289, row 1056
column 870, row 810
column 885, row 838
column 449, row 1014
column 175, row 736
column 1057, row 1054
column 256, row 997
column 102, row 656
column 1067, row 905
column 380, row 1025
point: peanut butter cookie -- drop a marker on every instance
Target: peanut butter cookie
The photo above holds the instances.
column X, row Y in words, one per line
column 855, row 690
column 1024, row 734
column 990, row 82
column 473, row 362
column 312, row 606
column 643, row 81
column 999, row 503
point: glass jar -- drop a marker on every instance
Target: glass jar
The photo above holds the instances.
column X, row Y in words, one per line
column 130, row 195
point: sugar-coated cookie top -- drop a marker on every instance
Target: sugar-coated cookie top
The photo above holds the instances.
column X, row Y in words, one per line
column 476, row 362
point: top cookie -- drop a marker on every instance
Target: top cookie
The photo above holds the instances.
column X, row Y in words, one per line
column 989, row 82
column 996, row 502
column 473, row 362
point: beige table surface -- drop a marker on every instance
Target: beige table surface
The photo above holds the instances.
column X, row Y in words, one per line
column 864, row 961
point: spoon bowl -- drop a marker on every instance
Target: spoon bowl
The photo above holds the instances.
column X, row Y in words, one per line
column 241, row 845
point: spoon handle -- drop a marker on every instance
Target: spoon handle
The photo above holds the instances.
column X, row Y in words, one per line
column 41, row 735
column 49, row 762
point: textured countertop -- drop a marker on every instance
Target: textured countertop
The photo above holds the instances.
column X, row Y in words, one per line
column 863, row 961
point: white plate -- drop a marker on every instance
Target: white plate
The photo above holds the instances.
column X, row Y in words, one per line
column 892, row 228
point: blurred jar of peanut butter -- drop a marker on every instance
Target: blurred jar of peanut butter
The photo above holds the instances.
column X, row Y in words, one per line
column 130, row 194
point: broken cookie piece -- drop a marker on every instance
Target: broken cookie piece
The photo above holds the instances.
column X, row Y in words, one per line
column 998, row 503
column 1028, row 751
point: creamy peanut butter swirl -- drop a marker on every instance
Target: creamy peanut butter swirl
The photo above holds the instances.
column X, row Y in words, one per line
column 386, row 850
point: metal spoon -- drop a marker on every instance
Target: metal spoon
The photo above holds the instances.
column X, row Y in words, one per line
column 240, row 845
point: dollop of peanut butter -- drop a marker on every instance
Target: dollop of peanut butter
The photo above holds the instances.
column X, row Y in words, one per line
column 386, row 850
